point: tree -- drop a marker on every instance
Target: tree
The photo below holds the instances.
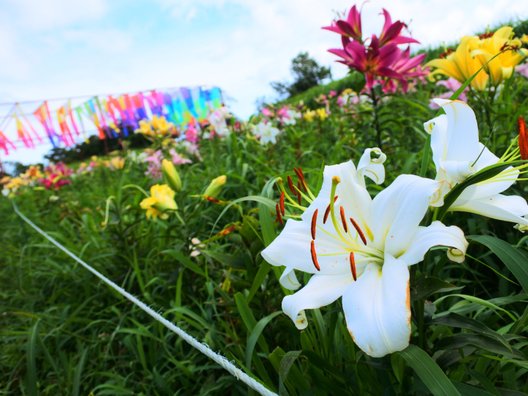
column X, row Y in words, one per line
column 307, row 74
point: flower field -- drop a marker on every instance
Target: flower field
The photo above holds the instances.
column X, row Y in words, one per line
column 365, row 237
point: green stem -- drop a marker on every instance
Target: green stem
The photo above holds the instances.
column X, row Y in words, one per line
column 377, row 127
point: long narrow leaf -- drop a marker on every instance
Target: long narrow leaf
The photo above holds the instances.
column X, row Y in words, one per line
column 429, row 372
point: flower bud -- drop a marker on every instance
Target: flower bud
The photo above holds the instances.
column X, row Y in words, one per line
column 171, row 175
column 215, row 186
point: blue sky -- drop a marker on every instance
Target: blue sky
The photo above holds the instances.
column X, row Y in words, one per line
column 68, row 48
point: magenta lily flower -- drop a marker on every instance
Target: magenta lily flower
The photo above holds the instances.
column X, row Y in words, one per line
column 349, row 29
column 391, row 32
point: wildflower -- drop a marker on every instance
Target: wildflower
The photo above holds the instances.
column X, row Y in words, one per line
column 218, row 121
column 458, row 154
column 161, row 201
column 177, row 159
column 191, row 134
column 266, row 132
column 287, row 116
column 117, row 163
column 171, row 175
column 360, row 248
column 321, row 113
column 309, row 115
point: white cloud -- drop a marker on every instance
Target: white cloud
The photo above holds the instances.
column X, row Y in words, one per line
column 53, row 14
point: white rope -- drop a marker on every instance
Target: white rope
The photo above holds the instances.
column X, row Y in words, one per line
column 202, row 347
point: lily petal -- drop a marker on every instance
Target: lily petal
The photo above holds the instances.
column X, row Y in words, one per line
column 292, row 249
column 461, row 132
column 289, row 280
column 372, row 167
column 398, row 210
column 321, row 290
column 501, row 207
column 436, row 234
column 377, row 308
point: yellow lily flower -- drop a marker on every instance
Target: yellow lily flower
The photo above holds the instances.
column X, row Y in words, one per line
column 500, row 68
column 461, row 65
column 321, row 113
column 309, row 115
column 160, row 201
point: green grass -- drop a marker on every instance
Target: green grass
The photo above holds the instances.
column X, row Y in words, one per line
column 65, row 333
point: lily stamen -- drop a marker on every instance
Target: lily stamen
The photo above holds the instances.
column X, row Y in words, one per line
column 290, row 185
column 314, row 223
column 343, row 218
column 302, row 181
column 327, row 211
column 353, row 265
column 314, row 256
column 359, row 231
column 281, row 203
column 279, row 216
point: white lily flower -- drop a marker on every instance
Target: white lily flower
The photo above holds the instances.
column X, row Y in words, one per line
column 266, row 132
column 457, row 154
column 360, row 248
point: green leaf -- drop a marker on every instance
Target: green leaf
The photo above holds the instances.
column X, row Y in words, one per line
column 255, row 335
column 31, row 355
column 427, row 285
column 262, row 272
column 247, row 317
column 185, row 261
column 480, row 301
column 285, row 365
column 462, row 322
column 429, row 372
column 483, row 342
column 515, row 259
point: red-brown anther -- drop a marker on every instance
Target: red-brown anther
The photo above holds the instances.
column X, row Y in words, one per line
column 299, row 197
column 290, row 185
column 281, row 203
column 300, row 175
column 486, row 35
column 314, row 222
column 279, row 217
column 353, row 265
column 359, row 231
column 343, row 218
column 314, row 256
column 523, row 138
column 327, row 211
